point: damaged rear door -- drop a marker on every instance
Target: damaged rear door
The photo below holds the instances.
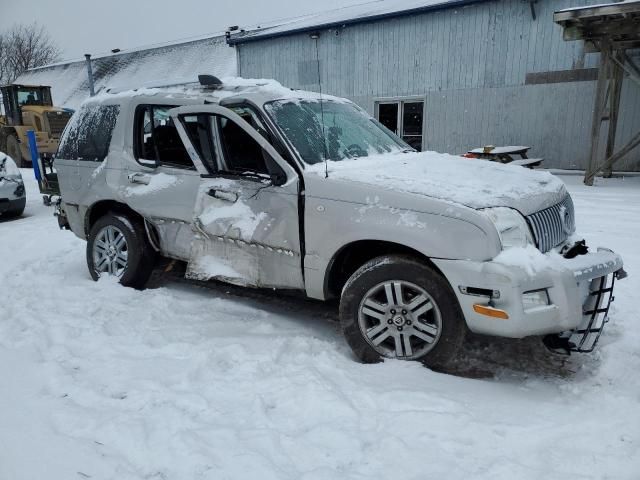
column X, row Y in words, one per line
column 246, row 221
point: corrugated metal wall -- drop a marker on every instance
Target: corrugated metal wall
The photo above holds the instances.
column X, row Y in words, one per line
column 470, row 64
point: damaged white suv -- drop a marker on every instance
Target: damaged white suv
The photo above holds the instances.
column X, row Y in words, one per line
column 263, row 186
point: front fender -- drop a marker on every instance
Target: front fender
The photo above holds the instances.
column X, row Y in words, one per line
column 433, row 228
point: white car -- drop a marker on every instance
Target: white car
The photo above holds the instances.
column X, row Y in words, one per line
column 12, row 194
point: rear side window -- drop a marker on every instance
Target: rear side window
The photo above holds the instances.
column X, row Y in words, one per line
column 88, row 135
column 157, row 139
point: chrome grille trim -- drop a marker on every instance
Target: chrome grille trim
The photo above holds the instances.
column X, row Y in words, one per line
column 549, row 226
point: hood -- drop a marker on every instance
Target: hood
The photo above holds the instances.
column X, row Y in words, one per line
column 471, row 182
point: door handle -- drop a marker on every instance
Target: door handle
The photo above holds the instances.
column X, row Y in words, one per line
column 138, row 177
column 231, row 197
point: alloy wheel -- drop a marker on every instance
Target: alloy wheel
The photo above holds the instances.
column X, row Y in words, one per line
column 400, row 320
column 110, row 251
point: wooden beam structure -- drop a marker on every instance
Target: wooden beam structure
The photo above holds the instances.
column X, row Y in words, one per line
column 611, row 29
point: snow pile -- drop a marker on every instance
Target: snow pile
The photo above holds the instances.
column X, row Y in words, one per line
column 221, row 218
column 210, row 266
column 226, row 211
column 185, row 382
column 600, row 5
column 532, row 261
column 472, row 182
column 529, row 258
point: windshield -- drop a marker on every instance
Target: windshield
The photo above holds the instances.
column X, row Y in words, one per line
column 31, row 96
column 348, row 131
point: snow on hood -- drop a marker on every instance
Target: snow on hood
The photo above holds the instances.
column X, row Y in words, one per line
column 472, row 182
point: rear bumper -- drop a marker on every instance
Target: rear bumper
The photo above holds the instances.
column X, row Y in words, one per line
column 568, row 283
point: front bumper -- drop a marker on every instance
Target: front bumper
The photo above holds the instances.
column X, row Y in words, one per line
column 579, row 292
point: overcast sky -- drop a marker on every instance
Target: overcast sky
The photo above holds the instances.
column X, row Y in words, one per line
column 86, row 26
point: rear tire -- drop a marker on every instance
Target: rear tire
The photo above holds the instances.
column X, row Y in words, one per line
column 13, row 150
column 118, row 246
column 397, row 307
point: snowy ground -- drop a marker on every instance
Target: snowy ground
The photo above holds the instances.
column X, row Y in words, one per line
column 186, row 381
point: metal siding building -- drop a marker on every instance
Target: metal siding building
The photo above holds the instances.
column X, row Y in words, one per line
column 487, row 72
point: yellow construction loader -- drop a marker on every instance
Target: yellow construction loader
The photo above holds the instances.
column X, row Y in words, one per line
column 29, row 107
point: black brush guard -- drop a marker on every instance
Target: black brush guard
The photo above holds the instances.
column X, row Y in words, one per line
column 595, row 311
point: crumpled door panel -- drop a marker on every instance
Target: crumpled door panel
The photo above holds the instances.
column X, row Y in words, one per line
column 247, row 234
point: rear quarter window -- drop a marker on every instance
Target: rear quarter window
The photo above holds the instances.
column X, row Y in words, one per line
column 88, row 135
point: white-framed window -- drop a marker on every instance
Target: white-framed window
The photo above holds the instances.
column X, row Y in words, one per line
column 404, row 117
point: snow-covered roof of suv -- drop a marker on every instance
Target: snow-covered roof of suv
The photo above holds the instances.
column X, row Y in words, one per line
column 258, row 90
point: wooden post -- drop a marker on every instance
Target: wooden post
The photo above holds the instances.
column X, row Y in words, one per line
column 597, row 114
column 631, row 144
column 614, row 110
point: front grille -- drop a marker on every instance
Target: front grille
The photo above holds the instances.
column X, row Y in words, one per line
column 553, row 225
column 57, row 122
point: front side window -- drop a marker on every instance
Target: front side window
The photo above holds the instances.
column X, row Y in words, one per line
column 330, row 129
column 88, row 135
column 241, row 152
column 222, row 141
column 256, row 120
column 157, row 139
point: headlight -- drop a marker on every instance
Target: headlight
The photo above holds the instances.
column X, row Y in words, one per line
column 511, row 226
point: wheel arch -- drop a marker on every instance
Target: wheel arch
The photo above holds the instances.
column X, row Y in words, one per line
column 101, row 208
column 355, row 254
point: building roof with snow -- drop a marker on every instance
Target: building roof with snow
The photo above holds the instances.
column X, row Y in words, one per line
column 350, row 15
column 167, row 64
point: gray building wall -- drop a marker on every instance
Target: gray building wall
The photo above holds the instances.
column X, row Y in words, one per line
column 470, row 65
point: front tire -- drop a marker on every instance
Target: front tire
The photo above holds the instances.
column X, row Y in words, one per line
column 397, row 307
column 118, row 246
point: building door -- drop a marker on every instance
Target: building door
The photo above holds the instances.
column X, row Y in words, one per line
column 404, row 118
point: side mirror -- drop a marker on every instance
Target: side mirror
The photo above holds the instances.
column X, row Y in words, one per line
column 278, row 179
column 276, row 174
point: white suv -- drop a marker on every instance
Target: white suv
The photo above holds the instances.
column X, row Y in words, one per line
column 263, row 186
